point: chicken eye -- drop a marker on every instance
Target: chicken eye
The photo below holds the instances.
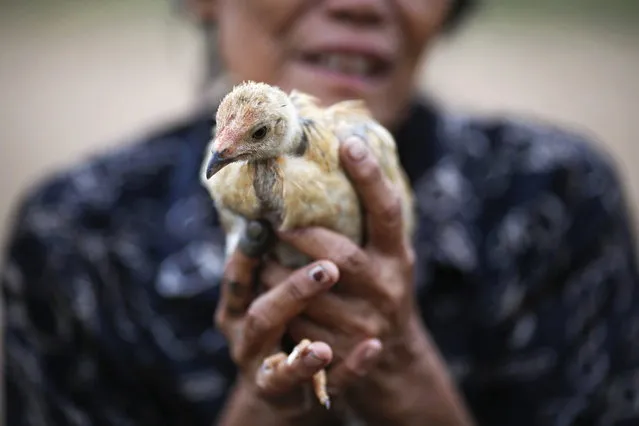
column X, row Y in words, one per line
column 260, row 133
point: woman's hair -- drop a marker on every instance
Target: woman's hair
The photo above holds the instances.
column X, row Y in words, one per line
column 459, row 10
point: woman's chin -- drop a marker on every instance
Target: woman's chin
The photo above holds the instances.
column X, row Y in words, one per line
column 380, row 93
column 331, row 86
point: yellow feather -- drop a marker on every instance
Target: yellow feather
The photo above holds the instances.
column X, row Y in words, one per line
column 306, row 184
column 313, row 188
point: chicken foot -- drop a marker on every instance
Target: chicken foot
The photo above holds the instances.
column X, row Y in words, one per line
column 319, row 378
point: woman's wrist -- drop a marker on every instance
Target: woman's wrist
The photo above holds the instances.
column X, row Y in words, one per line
column 411, row 385
column 247, row 406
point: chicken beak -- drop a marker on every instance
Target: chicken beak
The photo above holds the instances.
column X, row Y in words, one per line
column 216, row 163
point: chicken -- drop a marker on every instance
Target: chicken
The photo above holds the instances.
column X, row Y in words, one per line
column 274, row 156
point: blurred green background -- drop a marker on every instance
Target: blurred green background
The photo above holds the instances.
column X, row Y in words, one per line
column 614, row 10
column 78, row 77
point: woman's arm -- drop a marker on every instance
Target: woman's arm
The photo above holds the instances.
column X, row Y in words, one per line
column 412, row 386
column 246, row 407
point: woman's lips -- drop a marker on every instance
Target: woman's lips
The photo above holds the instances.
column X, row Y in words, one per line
column 349, row 70
column 350, row 63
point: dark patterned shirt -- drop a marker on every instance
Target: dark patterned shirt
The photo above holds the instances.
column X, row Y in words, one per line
column 526, row 277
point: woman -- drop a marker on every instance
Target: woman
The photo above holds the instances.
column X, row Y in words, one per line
column 522, row 274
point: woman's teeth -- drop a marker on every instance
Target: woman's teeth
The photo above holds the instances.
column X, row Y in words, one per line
column 347, row 63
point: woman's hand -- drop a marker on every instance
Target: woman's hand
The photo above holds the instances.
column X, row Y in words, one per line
column 374, row 299
column 270, row 390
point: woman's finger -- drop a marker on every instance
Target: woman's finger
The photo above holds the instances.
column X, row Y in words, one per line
column 302, row 328
column 354, row 364
column 236, row 295
column 240, row 270
column 359, row 362
column 269, row 314
column 379, row 196
column 322, row 243
column 272, row 274
column 343, row 314
column 276, row 376
column 238, row 282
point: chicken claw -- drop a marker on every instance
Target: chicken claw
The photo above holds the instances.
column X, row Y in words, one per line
column 273, row 361
column 319, row 378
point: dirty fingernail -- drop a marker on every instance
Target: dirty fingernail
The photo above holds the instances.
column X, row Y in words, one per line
column 318, row 274
column 254, row 230
column 256, row 239
column 356, row 149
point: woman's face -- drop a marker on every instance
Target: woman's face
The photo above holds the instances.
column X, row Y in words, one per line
column 333, row 49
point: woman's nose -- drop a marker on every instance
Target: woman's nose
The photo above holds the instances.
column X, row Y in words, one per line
column 358, row 12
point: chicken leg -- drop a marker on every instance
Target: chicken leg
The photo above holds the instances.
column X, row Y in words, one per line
column 319, row 378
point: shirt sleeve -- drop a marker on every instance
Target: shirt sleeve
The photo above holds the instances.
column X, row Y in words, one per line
column 64, row 360
column 569, row 353
column 597, row 375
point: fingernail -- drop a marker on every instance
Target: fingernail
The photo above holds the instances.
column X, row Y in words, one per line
column 312, row 360
column 256, row 239
column 254, row 230
column 370, row 354
column 318, row 274
column 356, row 149
column 373, row 349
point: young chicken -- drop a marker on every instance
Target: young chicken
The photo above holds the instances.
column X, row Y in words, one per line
column 274, row 156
